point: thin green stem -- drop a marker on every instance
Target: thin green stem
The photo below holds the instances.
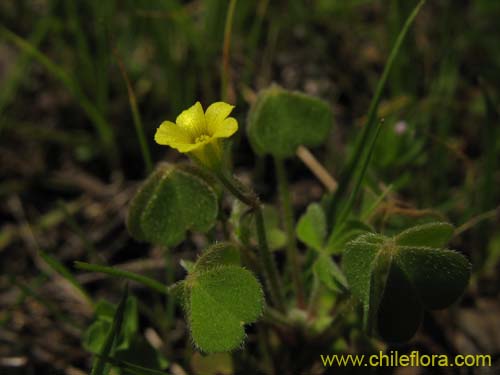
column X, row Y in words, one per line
column 116, row 272
column 247, row 196
column 241, row 192
column 287, row 210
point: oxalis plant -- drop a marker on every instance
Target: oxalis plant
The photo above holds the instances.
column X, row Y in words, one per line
column 310, row 296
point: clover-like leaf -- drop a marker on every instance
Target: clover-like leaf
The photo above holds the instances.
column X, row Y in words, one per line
column 281, row 120
column 222, row 253
column 173, row 200
column 397, row 281
column 311, row 228
column 221, row 301
column 329, row 273
column 439, row 276
column 430, row 234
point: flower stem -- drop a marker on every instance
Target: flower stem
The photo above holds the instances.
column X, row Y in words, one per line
column 247, row 196
column 287, row 210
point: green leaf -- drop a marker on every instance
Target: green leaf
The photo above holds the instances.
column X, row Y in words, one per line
column 281, row 120
column 399, row 310
column 141, row 199
column 439, row 276
column 105, row 310
column 95, row 336
column 172, row 201
column 219, row 254
column 222, row 300
column 357, row 263
column 396, row 283
column 311, row 228
column 100, row 364
column 329, row 273
column 431, row 234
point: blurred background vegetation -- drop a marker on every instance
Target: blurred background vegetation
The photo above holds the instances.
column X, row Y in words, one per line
column 70, row 157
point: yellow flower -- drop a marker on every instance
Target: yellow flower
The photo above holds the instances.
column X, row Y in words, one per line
column 197, row 133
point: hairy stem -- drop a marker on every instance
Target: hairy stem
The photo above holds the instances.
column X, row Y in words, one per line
column 247, row 196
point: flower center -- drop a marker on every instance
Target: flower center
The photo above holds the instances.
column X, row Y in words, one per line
column 201, row 138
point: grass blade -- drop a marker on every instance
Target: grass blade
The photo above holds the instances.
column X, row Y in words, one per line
column 228, row 28
column 359, row 181
column 100, row 364
column 66, row 273
column 102, row 127
column 146, row 281
column 368, row 129
column 18, row 72
column 139, row 129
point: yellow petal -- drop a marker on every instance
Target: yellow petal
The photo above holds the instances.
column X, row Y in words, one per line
column 193, row 120
column 186, row 147
column 215, row 115
column 168, row 133
column 226, row 129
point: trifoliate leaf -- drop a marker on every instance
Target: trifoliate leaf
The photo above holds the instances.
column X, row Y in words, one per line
column 172, row 201
column 357, row 263
column 218, row 255
column 221, row 301
column 329, row 273
column 311, row 228
column 439, row 276
column 435, row 235
column 396, row 282
column 281, row 120
column 399, row 311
